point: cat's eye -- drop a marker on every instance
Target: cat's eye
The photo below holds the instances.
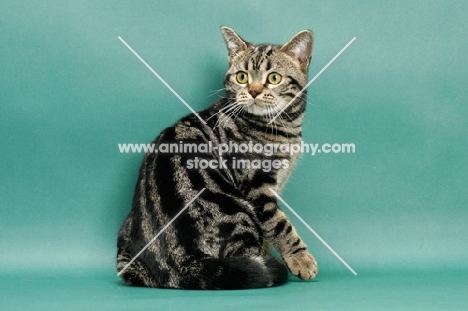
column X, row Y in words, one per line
column 242, row 77
column 274, row 78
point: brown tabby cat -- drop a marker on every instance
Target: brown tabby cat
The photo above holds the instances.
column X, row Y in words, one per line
column 220, row 241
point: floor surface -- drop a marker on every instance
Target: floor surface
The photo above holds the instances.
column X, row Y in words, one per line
column 101, row 291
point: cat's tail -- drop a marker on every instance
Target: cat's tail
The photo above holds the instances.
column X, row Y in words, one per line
column 241, row 272
column 238, row 273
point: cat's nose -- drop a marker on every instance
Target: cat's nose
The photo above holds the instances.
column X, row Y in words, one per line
column 255, row 89
column 254, row 93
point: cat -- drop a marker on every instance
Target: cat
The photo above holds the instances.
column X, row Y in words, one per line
column 222, row 240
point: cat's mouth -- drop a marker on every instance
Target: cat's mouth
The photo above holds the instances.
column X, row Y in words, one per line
column 263, row 107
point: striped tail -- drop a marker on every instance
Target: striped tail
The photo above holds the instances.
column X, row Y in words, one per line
column 217, row 273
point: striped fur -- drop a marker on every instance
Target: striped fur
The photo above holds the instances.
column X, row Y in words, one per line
column 219, row 241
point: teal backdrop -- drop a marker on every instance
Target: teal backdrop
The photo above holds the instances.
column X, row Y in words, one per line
column 70, row 92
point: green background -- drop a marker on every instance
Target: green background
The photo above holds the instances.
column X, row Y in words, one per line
column 396, row 210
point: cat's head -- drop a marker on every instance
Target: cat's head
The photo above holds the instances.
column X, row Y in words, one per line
column 264, row 78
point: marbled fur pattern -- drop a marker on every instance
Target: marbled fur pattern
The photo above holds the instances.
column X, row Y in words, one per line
column 219, row 241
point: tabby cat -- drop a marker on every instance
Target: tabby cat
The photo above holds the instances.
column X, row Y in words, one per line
column 222, row 240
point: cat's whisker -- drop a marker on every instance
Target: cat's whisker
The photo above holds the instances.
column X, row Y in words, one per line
column 308, row 102
column 228, row 114
column 267, row 125
column 238, row 111
column 219, row 121
column 222, row 109
column 232, row 108
column 229, row 111
column 224, row 120
column 284, row 125
column 271, row 118
column 214, row 92
column 220, row 116
column 303, row 97
column 289, row 117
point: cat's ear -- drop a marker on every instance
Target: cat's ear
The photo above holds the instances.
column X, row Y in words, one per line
column 300, row 48
column 234, row 43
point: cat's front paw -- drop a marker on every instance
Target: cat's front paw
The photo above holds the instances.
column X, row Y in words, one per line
column 302, row 265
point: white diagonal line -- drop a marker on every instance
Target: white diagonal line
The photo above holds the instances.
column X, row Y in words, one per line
column 313, row 79
column 161, row 79
column 160, row 232
column 313, row 231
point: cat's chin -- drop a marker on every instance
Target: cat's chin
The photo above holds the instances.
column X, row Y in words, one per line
column 261, row 110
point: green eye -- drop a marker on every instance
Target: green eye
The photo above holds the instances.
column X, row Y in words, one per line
column 274, row 78
column 242, row 77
